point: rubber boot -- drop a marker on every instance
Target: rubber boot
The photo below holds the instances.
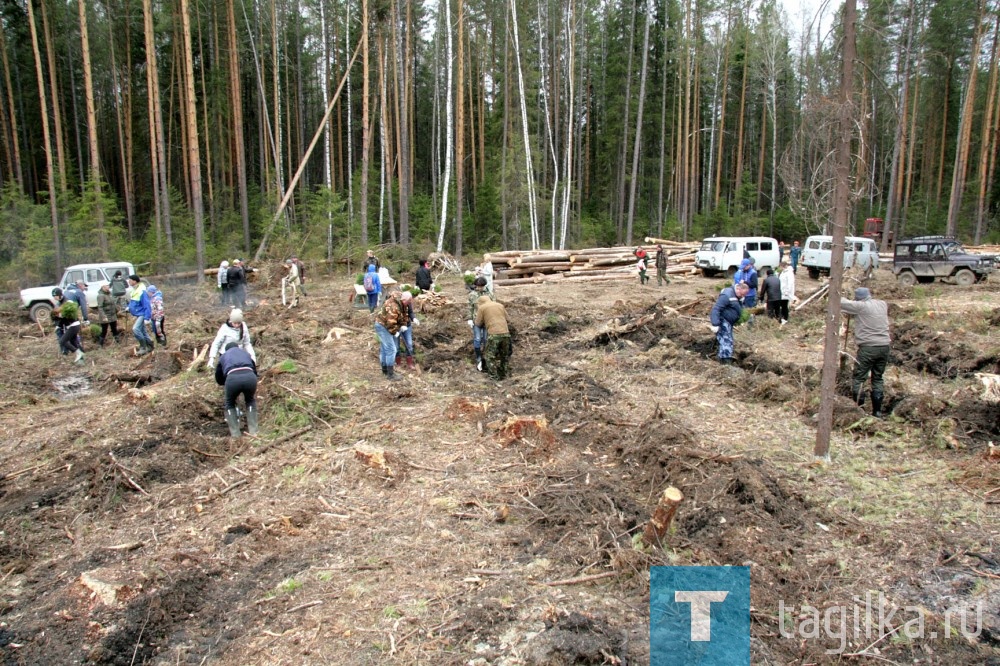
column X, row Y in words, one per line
column 390, row 372
column 233, row 420
column 100, row 341
column 252, row 419
column 142, row 348
column 876, row 405
column 79, row 357
column 399, row 359
column 385, row 373
column 479, row 360
column 410, row 363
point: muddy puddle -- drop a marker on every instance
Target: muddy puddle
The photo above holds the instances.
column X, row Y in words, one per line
column 72, row 387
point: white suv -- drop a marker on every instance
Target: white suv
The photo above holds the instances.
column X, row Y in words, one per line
column 38, row 301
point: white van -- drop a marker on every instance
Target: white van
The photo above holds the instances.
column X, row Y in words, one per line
column 724, row 254
column 858, row 251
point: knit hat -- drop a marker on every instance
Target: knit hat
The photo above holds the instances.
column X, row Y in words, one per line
column 406, row 297
column 224, row 264
column 862, row 294
column 236, row 316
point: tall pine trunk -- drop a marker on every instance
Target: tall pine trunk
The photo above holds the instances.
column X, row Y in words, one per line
column 46, row 140
column 194, row 156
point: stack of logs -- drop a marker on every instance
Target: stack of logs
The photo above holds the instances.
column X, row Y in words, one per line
column 590, row 264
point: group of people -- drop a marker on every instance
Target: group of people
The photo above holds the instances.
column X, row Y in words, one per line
column 142, row 301
column 660, row 261
column 871, row 331
column 232, row 283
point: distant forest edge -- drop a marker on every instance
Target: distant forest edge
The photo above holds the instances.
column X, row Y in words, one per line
column 170, row 133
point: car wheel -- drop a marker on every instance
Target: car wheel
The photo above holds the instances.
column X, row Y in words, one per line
column 906, row 278
column 814, row 273
column 40, row 312
column 731, row 272
column 708, row 272
column 965, row 278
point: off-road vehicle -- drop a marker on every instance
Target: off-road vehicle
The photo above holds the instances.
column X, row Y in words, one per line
column 928, row 258
column 38, row 301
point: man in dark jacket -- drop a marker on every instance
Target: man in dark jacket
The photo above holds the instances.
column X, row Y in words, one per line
column 871, row 333
column 237, row 372
column 725, row 313
column 237, row 278
column 661, row 266
column 771, row 289
column 424, row 279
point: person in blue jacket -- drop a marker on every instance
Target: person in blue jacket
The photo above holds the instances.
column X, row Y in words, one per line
column 376, row 290
column 140, row 308
column 794, row 255
column 725, row 313
column 237, row 372
column 78, row 292
column 748, row 275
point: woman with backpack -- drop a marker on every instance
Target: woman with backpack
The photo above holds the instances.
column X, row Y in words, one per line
column 373, row 287
column 107, row 314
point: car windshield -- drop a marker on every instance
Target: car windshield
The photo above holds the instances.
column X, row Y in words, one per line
column 953, row 247
column 713, row 246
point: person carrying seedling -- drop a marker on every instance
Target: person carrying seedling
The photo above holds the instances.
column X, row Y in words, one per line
column 406, row 331
column 67, row 318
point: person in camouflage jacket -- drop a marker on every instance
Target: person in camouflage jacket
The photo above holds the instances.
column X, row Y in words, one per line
column 391, row 318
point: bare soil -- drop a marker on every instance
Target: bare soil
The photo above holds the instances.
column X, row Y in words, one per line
column 449, row 519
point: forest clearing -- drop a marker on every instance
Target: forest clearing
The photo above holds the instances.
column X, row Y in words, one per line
column 449, row 519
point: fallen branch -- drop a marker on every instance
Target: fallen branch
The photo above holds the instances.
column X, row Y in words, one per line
column 304, row 606
column 284, row 438
column 581, row 579
column 199, row 358
column 121, row 468
column 816, row 294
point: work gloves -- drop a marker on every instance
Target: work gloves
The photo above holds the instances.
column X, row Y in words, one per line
column 715, row 329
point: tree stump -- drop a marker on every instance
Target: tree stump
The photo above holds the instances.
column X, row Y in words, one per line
column 663, row 515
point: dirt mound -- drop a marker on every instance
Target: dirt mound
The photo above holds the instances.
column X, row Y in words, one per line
column 921, row 349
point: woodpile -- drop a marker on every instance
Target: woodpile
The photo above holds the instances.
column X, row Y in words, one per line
column 589, row 264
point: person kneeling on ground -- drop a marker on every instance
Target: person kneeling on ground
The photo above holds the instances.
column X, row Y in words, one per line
column 871, row 333
column 725, row 313
column 493, row 317
column 237, row 372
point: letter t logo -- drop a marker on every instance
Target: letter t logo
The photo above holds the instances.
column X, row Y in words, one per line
column 701, row 611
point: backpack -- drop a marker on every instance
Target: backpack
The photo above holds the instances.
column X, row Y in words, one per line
column 302, row 269
column 369, row 283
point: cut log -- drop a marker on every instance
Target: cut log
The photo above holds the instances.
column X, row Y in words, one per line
column 663, row 515
column 816, row 294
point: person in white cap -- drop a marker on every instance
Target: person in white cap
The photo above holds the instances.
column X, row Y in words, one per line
column 234, row 330
column 871, row 333
column 223, row 282
column 292, row 279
